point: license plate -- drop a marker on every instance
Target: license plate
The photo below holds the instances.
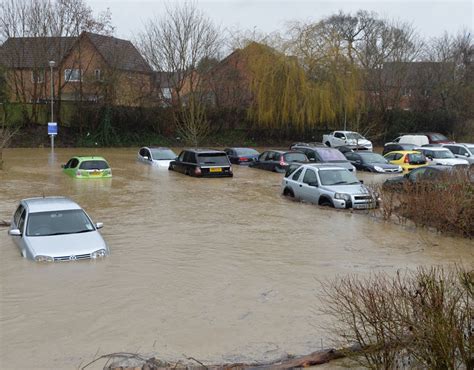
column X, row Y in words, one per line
column 215, row 169
column 361, row 206
column 96, row 173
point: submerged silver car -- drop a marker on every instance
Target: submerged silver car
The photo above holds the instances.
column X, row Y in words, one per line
column 56, row 229
column 327, row 185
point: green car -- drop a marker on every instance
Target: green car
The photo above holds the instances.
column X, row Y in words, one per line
column 87, row 168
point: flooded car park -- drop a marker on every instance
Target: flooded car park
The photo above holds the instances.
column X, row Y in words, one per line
column 222, row 269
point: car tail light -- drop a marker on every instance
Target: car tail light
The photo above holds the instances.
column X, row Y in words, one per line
column 243, row 159
column 78, row 173
column 406, row 160
column 197, row 171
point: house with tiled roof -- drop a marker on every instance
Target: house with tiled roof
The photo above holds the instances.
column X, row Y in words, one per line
column 90, row 67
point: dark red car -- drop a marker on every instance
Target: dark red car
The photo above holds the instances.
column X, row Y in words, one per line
column 436, row 138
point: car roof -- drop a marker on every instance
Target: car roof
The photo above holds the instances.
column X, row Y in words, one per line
column 459, row 144
column 435, row 149
column 203, row 150
column 46, row 204
column 324, row 166
column 156, row 147
column 314, row 147
column 405, row 152
column 90, row 158
column 240, row 147
column 362, row 152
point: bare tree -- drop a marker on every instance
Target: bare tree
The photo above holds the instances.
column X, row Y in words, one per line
column 176, row 43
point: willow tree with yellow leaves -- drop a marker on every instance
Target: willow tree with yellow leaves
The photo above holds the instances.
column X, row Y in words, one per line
column 315, row 81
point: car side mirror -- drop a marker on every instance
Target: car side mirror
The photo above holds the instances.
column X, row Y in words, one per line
column 467, row 154
column 14, row 232
column 314, row 184
column 99, row 225
column 312, row 159
column 358, row 161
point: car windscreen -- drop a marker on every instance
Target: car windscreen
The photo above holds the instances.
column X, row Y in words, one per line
column 295, row 157
column 245, row 151
column 58, row 223
column 337, row 177
column 354, row 136
column 330, row 154
column 94, row 165
column 438, row 137
column 416, row 158
column 372, row 158
column 213, row 159
column 442, row 154
column 163, row 154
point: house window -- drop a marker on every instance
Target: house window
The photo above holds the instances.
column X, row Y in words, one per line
column 166, row 91
column 72, row 75
column 98, row 75
column 406, row 91
column 37, row 77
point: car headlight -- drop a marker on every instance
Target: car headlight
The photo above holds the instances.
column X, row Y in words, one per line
column 346, row 197
column 400, row 168
column 44, row 259
column 99, row 253
column 378, row 169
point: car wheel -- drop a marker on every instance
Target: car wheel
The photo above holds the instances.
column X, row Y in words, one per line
column 288, row 193
column 325, row 202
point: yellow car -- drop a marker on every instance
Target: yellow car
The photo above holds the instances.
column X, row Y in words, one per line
column 407, row 159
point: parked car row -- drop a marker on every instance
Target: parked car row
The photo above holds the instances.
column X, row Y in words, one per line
column 51, row 229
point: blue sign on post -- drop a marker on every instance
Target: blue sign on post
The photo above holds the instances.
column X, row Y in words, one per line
column 52, row 128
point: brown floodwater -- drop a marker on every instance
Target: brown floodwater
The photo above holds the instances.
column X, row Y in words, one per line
column 217, row 269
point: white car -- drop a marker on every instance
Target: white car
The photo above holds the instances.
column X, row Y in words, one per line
column 327, row 185
column 440, row 155
column 463, row 151
column 156, row 156
column 346, row 138
column 55, row 229
column 418, row 140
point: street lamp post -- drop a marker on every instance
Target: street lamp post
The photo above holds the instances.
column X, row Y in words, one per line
column 51, row 77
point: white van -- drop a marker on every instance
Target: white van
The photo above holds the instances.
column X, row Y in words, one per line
column 418, row 140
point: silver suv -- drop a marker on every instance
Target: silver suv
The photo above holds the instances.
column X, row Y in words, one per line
column 327, row 185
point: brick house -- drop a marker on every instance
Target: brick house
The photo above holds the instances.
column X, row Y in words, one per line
column 409, row 85
column 90, row 67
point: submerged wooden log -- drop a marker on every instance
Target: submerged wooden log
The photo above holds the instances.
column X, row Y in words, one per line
column 313, row 359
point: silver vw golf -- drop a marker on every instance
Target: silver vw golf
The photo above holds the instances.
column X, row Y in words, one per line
column 55, row 229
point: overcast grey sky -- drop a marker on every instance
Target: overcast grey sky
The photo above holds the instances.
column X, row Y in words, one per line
column 430, row 18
